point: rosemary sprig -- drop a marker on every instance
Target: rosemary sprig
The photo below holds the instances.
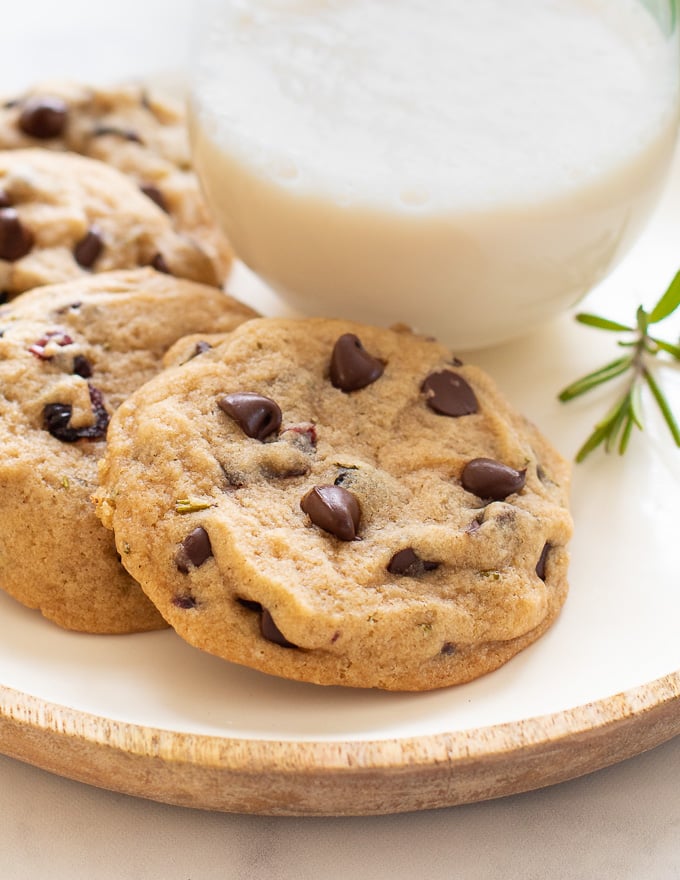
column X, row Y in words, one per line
column 613, row 432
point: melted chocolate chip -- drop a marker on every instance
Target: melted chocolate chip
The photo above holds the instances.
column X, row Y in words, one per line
column 88, row 249
column 448, row 394
column 155, row 195
column 407, row 562
column 127, row 134
column 257, row 416
column 271, row 632
column 43, row 117
column 352, row 367
column 185, row 602
column 194, row 550
column 488, row 478
column 542, row 560
column 159, row 264
column 56, row 418
column 447, row 649
column 5, row 201
column 16, row 240
column 81, row 366
column 333, row 509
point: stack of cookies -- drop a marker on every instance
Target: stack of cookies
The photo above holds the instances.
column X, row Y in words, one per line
column 317, row 499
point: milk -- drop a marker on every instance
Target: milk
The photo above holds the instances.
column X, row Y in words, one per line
column 470, row 168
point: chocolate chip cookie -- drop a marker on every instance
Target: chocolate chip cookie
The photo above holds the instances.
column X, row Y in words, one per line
column 64, row 216
column 69, row 355
column 339, row 504
column 129, row 128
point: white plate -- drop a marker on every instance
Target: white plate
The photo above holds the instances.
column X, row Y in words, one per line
column 149, row 715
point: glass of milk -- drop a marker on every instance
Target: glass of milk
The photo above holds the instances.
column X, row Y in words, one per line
column 469, row 168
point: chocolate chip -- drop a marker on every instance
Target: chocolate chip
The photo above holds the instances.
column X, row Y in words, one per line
column 201, row 347
column 449, row 394
column 257, row 416
column 43, row 117
column 5, row 201
column 271, row 632
column 194, row 550
column 268, row 628
column 159, row 264
column 88, row 249
column 185, row 602
column 155, row 195
column 16, row 240
column 250, row 604
column 447, row 649
column 81, row 366
column 407, row 562
column 488, row 478
column 542, row 559
column 352, row 367
column 127, row 134
column 56, row 418
column 333, row 509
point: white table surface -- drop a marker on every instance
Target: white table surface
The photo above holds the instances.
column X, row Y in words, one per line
column 622, row 822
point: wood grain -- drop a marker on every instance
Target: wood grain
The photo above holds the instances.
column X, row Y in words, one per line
column 338, row 778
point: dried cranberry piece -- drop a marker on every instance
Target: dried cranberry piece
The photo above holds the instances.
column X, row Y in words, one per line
column 56, row 336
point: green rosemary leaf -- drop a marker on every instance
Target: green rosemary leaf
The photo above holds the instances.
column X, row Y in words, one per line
column 602, row 323
column 191, row 505
column 597, row 377
column 668, row 302
column 663, row 405
column 666, row 346
column 635, row 403
column 625, row 434
column 595, row 439
column 621, row 412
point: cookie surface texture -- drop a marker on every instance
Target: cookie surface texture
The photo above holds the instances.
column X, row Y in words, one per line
column 128, row 127
column 69, row 355
column 64, row 216
column 294, row 501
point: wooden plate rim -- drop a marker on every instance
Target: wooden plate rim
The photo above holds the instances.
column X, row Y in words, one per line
column 344, row 777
